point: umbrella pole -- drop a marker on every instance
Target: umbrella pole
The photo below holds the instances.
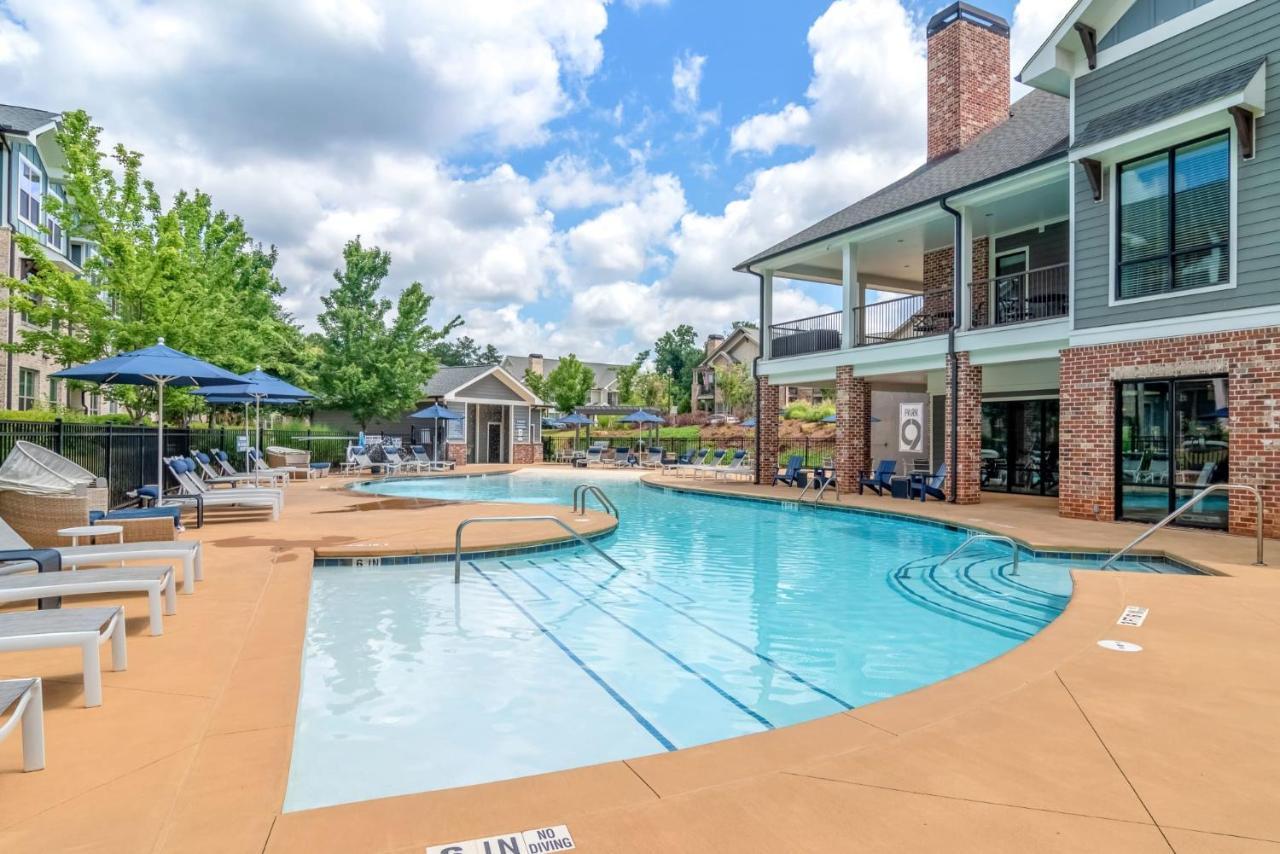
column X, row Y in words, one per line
column 247, row 467
column 160, row 381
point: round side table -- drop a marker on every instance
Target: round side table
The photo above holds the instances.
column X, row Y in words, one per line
column 92, row 531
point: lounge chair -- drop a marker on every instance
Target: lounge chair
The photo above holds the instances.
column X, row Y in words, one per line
column 259, row 465
column 187, row 551
column 194, row 491
column 791, row 474
column 926, row 485
column 653, row 459
column 394, row 458
column 25, row 697
column 682, row 461
column 880, row 479
column 86, row 628
column 421, row 456
column 622, row 458
column 712, row 463
column 737, row 467
column 223, row 463
column 594, row 456
column 155, row 581
column 205, row 471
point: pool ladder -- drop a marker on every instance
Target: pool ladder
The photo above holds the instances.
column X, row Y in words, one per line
column 999, row 538
column 555, row 520
column 1192, row 502
column 580, row 493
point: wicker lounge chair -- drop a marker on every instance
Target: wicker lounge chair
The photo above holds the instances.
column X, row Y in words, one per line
column 24, row 698
column 86, row 628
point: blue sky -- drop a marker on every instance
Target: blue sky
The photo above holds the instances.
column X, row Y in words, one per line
column 568, row 175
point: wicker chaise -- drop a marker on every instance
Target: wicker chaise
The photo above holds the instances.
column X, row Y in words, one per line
column 38, row 518
column 25, row 699
column 86, row 628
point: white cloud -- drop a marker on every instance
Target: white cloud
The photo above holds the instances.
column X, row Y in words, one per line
column 765, row 132
column 620, row 241
column 1033, row 20
column 686, row 80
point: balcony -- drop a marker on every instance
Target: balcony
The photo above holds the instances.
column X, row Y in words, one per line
column 1040, row 294
column 902, row 319
column 818, row 334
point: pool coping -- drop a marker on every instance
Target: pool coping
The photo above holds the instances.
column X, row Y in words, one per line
column 1033, row 550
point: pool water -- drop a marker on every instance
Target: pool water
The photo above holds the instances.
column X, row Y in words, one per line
column 731, row 617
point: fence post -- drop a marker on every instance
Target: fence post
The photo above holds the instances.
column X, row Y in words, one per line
column 110, row 448
column 57, row 435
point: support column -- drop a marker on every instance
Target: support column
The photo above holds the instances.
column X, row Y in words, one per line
column 767, row 430
column 766, row 317
column 968, row 477
column 853, row 426
column 851, row 319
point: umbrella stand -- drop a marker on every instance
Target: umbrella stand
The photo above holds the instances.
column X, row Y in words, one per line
column 160, row 384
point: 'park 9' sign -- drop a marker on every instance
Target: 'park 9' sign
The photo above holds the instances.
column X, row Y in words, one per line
column 910, row 428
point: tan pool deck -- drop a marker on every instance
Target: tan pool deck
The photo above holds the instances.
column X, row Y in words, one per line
column 1058, row 745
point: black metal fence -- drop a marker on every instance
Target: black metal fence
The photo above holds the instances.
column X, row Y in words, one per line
column 1037, row 294
column 816, row 452
column 126, row 454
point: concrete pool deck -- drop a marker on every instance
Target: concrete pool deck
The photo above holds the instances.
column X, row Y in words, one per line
column 1058, row 745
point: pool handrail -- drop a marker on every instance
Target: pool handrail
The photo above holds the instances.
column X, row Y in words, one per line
column 1191, row 502
column 999, row 538
column 457, row 538
column 580, row 493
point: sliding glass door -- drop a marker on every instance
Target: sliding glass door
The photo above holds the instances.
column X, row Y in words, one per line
column 1020, row 446
column 1172, row 440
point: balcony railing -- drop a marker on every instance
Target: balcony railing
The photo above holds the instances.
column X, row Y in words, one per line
column 807, row 335
column 902, row 319
column 1039, row 294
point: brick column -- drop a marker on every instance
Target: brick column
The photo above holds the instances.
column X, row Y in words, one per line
column 853, row 426
column 1086, row 433
column 968, row 479
column 767, row 430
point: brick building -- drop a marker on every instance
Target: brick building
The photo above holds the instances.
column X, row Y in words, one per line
column 1083, row 282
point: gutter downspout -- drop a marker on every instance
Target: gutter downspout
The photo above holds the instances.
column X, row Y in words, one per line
column 755, row 370
column 12, row 271
column 954, row 378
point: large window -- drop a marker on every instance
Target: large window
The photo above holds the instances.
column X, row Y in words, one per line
column 1174, row 210
column 30, row 192
column 1020, row 446
column 27, row 380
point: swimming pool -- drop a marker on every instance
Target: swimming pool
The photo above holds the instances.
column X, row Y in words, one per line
column 731, row 617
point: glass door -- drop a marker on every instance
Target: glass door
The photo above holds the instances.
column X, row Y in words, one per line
column 1011, row 285
column 1200, row 455
column 1020, row 447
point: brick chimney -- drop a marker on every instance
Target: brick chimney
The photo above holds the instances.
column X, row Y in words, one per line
column 535, row 363
column 713, row 341
column 968, row 76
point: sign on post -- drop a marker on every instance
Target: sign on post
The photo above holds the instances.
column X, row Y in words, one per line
column 242, row 444
column 910, row 428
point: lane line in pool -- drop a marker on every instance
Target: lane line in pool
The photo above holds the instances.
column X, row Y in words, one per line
column 595, row 677
column 531, row 585
column 672, row 657
column 766, row 659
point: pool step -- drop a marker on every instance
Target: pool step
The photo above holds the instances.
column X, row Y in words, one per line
column 981, row 593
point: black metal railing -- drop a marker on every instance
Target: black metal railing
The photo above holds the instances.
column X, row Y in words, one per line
column 1038, row 294
column 818, row 334
column 903, row 319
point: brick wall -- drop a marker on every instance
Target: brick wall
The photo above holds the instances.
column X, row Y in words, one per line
column 853, row 426
column 939, row 276
column 968, row 85
column 767, row 430
column 457, row 452
column 968, row 469
column 1250, row 359
column 523, row 455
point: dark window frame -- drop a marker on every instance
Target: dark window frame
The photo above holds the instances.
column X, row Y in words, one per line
column 1173, row 252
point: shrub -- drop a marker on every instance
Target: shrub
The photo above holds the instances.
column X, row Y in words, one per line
column 804, row 411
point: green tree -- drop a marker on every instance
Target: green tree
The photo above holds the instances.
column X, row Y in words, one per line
column 654, row 390
column 465, row 351
column 367, row 368
column 677, row 353
column 735, row 387
column 569, row 385
column 536, row 382
column 627, row 378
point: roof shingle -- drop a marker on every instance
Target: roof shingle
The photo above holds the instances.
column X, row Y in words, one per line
column 24, row 119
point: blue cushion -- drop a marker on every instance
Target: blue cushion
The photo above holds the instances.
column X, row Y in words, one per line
column 149, row 491
column 202, row 457
column 222, row 455
column 173, row 513
column 320, row 465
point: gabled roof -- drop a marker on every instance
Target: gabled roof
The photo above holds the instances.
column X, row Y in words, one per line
column 448, row 381
column 738, row 335
column 24, row 119
column 1036, row 131
column 606, row 375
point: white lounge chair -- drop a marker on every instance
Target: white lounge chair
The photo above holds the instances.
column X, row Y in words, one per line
column 652, row 459
column 86, row 628
column 224, row 465
column 73, row 557
column 193, row 490
column 738, row 466
column 25, row 699
column 395, row 459
column 205, row 471
column 155, row 581
column 715, row 461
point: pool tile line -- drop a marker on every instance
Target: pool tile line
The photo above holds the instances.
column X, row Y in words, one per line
column 766, row 659
column 595, row 677
column 363, row 561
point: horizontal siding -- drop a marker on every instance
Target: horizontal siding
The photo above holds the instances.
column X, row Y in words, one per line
column 488, row 388
column 1046, row 248
column 1251, row 31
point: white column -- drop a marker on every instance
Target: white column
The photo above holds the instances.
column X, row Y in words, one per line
column 854, row 294
column 964, row 257
column 766, row 316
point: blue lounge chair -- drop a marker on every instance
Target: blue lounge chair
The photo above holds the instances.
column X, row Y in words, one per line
column 791, row 476
column 880, row 480
column 925, row 485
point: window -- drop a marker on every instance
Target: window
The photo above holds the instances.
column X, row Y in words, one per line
column 55, row 232
column 1174, row 211
column 77, row 254
column 30, row 192
column 27, row 380
column 53, row 391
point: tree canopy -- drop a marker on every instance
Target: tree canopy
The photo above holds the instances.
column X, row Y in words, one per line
column 465, row 351
column 568, row 386
column 676, row 354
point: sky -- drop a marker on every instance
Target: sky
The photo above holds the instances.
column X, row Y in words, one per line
column 567, row 175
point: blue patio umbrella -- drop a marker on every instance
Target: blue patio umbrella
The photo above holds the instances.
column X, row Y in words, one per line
column 435, row 413
column 750, row 422
column 158, row 366
column 575, row 419
column 641, row 418
column 259, row 387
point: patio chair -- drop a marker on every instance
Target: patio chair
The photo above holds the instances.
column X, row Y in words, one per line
column 623, row 458
column 155, row 581
column 683, row 461
column 594, row 456
column 880, row 479
column 192, row 491
column 205, row 471
column 714, row 462
column 791, row 474
column 653, row 459
column 187, row 551
column 399, row 462
column 25, row 697
column 222, row 461
column 929, row 485
column 737, row 467
column 86, row 628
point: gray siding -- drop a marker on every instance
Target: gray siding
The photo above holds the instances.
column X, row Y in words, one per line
column 1145, row 15
column 1251, row 31
column 1046, row 248
column 488, row 388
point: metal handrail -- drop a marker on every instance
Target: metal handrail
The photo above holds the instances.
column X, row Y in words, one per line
column 457, row 538
column 999, row 538
column 1192, row 502
column 580, row 493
